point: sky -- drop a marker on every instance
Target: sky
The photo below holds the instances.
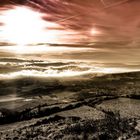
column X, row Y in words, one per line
column 99, row 31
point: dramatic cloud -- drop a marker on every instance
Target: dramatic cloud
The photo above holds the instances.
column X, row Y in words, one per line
column 110, row 27
column 95, row 21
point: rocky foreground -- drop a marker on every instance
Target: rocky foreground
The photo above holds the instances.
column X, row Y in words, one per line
column 97, row 111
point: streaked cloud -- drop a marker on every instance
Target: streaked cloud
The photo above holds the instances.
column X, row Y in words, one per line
column 105, row 32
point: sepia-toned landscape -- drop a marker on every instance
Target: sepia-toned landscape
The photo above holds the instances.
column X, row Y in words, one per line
column 69, row 70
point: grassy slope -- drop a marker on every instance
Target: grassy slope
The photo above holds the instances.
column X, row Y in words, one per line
column 87, row 92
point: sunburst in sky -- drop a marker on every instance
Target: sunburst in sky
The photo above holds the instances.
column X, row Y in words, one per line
column 99, row 31
column 23, row 25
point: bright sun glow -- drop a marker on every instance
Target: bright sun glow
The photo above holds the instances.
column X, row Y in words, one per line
column 22, row 26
